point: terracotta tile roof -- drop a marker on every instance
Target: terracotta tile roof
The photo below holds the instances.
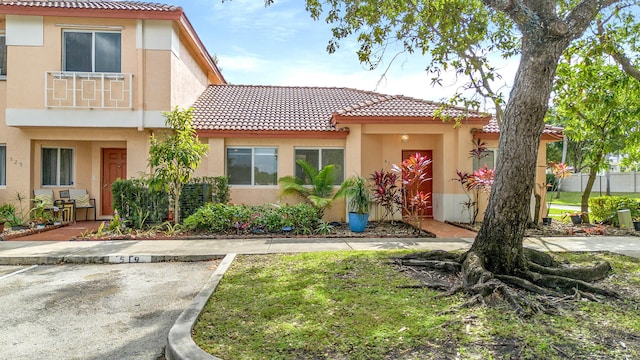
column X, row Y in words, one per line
column 404, row 106
column 280, row 108
column 93, row 4
column 492, row 128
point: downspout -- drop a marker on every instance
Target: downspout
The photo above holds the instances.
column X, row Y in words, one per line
column 141, row 72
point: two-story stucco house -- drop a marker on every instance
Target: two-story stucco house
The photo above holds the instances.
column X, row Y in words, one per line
column 83, row 85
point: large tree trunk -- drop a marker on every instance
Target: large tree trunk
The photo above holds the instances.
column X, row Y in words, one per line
column 499, row 241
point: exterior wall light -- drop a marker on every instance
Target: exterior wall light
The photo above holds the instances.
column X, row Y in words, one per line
column 404, row 138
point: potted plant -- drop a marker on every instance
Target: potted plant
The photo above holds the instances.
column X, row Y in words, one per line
column 636, row 224
column 576, row 217
column 356, row 190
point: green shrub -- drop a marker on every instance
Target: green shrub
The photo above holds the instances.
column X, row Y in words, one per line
column 7, row 212
column 200, row 191
column 605, row 208
column 243, row 219
column 138, row 206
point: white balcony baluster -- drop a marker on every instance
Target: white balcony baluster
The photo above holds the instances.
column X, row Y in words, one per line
column 88, row 90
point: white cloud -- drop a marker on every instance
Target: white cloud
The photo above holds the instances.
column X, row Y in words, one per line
column 243, row 63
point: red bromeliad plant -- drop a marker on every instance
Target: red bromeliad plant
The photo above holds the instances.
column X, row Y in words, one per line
column 386, row 192
column 414, row 172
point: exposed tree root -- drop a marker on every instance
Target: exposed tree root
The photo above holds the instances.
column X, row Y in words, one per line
column 540, row 288
column 593, row 273
column 448, row 266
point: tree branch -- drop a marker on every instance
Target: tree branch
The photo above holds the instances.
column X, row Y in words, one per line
column 516, row 10
column 618, row 55
column 581, row 16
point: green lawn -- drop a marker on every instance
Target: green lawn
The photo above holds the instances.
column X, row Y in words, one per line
column 353, row 305
column 574, row 198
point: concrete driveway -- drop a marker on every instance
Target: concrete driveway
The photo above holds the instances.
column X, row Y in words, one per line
column 94, row 311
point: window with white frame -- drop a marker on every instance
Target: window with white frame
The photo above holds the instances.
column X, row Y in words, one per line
column 319, row 158
column 252, row 165
column 489, row 159
column 57, row 166
column 91, row 51
column 3, row 55
column 3, row 165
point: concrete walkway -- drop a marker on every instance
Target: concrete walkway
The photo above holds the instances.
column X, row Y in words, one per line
column 132, row 251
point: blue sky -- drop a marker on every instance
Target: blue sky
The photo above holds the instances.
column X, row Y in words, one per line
column 282, row 45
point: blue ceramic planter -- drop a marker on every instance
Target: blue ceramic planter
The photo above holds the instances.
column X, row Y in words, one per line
column 358, row 222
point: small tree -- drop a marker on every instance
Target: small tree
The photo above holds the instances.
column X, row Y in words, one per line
column 319, row 193
column 175, row 156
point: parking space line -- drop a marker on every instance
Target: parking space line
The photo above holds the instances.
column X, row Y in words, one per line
column 17, row 272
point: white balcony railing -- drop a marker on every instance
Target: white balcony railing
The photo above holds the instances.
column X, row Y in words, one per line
column 88, row 90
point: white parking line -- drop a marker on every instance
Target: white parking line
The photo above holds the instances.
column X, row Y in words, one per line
column 17, row 272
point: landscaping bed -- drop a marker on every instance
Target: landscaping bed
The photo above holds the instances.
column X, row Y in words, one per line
column 10, row 233
column 375, row 229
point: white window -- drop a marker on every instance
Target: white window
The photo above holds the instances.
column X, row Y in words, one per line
column 91, row 51
column 57, row 166
column 489, row 159
column 3, row 165
column 3, row 56
column 319, row 158
column 252, row 166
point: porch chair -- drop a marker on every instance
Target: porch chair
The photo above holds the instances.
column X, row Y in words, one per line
column 45, row 196
column 81, row 200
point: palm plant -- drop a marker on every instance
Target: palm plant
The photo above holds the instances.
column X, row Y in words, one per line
column 356, row 190
column 319, row 193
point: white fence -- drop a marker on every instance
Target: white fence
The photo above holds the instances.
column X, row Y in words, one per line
column 627, row 182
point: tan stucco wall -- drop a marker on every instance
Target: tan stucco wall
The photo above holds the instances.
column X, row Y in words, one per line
column 27, row 64
column 166, row 79
column 157, row 80
column 24, row 147
column 188, row 80
column 214, row 165
column 382, row 147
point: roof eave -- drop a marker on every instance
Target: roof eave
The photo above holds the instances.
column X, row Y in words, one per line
column 551, row 137
column 282, row 134
column 197, row 42
column 342, row 119
column 94, row 13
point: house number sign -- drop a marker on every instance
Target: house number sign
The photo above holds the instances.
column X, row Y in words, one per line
column 129, row 259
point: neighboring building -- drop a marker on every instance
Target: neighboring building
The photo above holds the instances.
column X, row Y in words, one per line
column 267, row 128
column 86, row 82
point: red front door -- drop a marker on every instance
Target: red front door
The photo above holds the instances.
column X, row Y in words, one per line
column 427, row 186
column 114, row 166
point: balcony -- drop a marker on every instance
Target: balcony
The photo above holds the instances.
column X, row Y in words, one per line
column 81, row 90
